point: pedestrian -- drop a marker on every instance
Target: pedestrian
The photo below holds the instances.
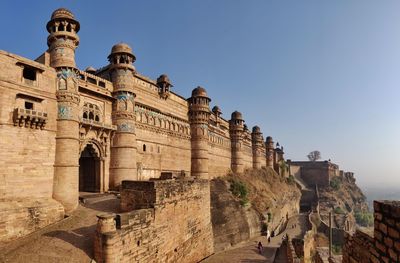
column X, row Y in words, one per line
column 260, row 247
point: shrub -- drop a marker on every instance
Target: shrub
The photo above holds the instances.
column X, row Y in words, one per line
column 335, row 183
column 338, row 210
column 365, row 219
column 290, row 179
column 239, row 190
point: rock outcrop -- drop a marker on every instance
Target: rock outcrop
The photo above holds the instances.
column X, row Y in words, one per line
column 269, row 201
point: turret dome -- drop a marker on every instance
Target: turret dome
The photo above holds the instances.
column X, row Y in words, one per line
column 199, row 92
column 236, row 116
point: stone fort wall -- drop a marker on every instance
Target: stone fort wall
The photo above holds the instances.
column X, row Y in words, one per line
column 165, row 221
column 384, row 244
column 65, row 130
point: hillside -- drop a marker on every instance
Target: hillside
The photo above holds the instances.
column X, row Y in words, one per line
column 242, row 205
column 347, row 201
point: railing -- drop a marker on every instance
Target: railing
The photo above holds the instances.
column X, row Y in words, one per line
column 30, row 118
column 98, row 124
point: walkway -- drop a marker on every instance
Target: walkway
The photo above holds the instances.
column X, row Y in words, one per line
column 70, row 240
column 247, row 252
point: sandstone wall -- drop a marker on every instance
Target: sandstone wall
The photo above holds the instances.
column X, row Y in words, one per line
column 171, row 223
column 27, row 142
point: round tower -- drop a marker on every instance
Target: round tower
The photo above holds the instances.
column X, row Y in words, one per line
column 62, row 41
column 123, row 146
column 63, row 38
column 257, row 143
column 269, row 147
column 236, row 128
column 199, row 115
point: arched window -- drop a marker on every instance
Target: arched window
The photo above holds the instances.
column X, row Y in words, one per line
column 144, row 147
column 91, row 116
column 69, row 27
column 97, row 118
column 85, row 115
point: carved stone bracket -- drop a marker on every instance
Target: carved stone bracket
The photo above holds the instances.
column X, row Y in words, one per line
column 29, row 118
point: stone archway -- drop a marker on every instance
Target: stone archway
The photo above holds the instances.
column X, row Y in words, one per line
column 90, row 169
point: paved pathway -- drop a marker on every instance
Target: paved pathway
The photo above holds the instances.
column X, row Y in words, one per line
column 248, row 253
column 70, row 240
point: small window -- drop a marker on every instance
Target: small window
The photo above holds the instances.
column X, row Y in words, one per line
column 102, row 84
column 91, row 80
column 97, row 118
column 144, row 147
column 28, row 105
column 29, row 73
column 85, row 115
column 91, row 116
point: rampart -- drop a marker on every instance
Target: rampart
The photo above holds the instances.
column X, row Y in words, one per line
column 316, row 173
column 384, row 246
column 165, row 221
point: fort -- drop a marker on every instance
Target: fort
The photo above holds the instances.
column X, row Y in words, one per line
column 169, row 161
column 64, row 130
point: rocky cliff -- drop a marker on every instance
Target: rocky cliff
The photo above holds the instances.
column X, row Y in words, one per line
column 347, row 202
column 244, row 205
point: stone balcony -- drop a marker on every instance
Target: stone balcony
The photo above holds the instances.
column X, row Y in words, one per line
column 30, row 118
column 97, row 124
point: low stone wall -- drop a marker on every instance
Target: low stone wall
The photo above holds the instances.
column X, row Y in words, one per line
column 169, row 221
column 21, row 217
column 385, row 245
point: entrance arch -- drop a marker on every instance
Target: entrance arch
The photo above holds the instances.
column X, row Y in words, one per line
column 89, row 170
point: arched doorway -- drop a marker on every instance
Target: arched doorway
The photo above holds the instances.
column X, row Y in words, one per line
column 89, row 170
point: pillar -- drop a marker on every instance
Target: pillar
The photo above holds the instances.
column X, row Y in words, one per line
column 236, row 128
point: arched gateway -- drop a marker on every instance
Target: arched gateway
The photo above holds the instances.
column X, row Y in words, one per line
column 91, row 168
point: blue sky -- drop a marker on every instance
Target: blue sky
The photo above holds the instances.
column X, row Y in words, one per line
column 313, row 74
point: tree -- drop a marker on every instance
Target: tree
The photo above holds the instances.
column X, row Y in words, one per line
column 314, row 155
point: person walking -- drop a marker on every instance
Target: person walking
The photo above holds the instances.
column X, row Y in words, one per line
column 260, row 247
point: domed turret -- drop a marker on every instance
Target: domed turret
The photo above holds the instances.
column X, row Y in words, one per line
column 90, row 70
column 257, row 143
column 164, row 85
column 236, row 116
column 199, row 116
column 199, row 92
column 122, row 56
column 256, row 129
column 216, row 110
column 63, row 38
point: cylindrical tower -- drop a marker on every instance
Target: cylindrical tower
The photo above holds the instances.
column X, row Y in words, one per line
column 199, row 115
column 269, row 148
column 236, row 128
column 62, row 41
column 123, row 146
column 257, row 143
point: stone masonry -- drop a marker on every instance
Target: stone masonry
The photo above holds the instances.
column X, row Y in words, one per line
column 165, row 221
column 65, row 130
column 384, row 245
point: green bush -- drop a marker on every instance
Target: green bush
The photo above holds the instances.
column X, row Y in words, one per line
column 290, row 179
column 338, row 210
column 239, row 190
column 335, row 183
column 365, row 219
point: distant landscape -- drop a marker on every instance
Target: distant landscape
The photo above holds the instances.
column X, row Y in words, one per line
column 381, row 193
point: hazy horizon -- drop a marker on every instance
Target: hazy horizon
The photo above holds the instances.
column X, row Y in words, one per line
column 314, row 75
